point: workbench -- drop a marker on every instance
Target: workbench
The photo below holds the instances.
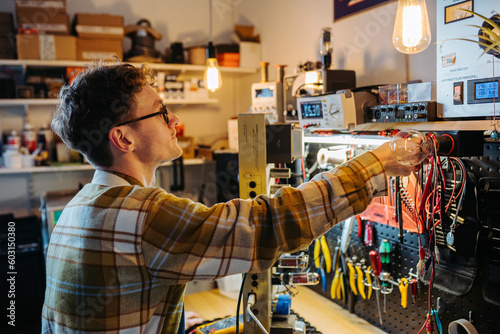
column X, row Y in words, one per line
column 320, row 312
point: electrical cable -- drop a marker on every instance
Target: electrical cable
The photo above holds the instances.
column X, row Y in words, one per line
column 210, row 20
column 249, row 312
column 303, row 169
column 238, row 304
column 438, row 321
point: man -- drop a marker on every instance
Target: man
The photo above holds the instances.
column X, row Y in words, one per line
column 123, row 250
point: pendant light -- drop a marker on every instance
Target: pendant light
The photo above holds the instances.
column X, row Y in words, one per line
column 212, row 76
column 412, row 33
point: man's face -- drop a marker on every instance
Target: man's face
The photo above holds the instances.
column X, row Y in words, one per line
column 156, row 141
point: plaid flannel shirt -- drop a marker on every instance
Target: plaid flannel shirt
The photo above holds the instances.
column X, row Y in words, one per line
column 121, row 253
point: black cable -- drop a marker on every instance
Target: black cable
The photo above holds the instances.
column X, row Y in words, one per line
column 239, row 304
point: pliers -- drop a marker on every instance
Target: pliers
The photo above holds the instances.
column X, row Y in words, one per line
column 337, row 290
column 322, row 255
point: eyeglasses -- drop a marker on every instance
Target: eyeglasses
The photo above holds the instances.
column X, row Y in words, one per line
column 163, row 111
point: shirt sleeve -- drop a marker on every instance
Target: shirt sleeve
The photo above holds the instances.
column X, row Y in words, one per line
column 184, row 240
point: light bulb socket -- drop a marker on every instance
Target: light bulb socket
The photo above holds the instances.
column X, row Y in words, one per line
column 327, row 60
column 211, row 50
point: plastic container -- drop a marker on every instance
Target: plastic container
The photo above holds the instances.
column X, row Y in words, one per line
column 28, row 137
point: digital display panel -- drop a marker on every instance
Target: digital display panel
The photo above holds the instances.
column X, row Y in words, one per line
column 486, row 90
column 311, row 110
column 264, row 92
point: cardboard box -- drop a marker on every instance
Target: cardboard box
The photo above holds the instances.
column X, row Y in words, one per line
column 228, row 59
column 46, row 47
column 99, row 26
column 250, row 54
column 55, row 24
column 106, row 49
column 46, row 6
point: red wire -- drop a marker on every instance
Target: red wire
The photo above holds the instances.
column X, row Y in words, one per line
column 303, row 169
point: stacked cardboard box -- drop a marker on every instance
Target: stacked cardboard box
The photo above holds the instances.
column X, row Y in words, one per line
column 7, row 36
column 44, row 30
column 46, row 16
column 99, row 36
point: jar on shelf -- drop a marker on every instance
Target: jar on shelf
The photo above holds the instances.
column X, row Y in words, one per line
column 28, row 137
column 13, row 141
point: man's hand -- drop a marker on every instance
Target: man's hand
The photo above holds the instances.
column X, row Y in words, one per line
column 391, row 166
column 191, row 319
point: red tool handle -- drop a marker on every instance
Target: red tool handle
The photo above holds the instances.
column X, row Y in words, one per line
column 375, row 262
column 368, row 234
column 360, row 226
column 413, row 287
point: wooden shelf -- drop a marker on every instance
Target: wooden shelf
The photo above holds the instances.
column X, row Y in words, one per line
column 182, row 101
column 50, row 102
column 157, row 66
column 460, row 125
column 24, row 102
column 82, row 167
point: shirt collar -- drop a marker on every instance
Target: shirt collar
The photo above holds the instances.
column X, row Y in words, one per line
column 111, row 178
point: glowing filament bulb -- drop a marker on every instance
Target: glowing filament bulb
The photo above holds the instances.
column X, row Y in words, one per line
column 412, row 32
column 412, row 26
column 212, row 75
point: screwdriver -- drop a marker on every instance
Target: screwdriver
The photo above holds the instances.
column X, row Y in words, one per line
column 413, row 289
column 374, row 260
column 385, row 261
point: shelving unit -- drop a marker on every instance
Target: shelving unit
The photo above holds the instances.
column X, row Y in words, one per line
column 50, row 102
column 174, row 68
column 80, row 167
column 24, row 102
column 182, row 68
column 26, row 184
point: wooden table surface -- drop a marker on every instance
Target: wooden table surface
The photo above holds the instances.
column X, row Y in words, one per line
column 320, row 312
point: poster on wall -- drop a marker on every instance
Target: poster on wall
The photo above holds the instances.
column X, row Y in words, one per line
column 344, row 8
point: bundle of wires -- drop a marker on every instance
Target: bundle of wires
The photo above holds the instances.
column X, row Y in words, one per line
column 431, row 209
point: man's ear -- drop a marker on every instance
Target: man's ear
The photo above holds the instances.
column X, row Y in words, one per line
column 121, row 140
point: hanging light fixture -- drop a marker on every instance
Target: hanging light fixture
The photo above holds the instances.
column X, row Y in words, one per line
column 412, row 33
column 212, row 76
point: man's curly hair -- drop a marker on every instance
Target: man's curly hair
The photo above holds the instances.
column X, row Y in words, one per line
column 99, row 98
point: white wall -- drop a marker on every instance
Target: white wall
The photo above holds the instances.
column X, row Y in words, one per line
column 186, row 21
column 290, row 31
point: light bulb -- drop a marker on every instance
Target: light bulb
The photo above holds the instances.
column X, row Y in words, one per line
column 410, row 147
column 212, row 76
column 412, row 32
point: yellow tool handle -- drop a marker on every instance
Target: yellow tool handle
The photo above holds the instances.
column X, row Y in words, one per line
column 341, row 290
column 352, row 278
column 361, row 284
column 317, row 248
column 326, row 254
column 403, row 288
column 335, row 284
column 369, row 282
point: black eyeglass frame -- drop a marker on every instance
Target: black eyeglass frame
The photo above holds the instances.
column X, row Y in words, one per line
column 163, row 112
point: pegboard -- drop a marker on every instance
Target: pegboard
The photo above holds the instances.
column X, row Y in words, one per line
column 410, row 320
column 471, row 305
